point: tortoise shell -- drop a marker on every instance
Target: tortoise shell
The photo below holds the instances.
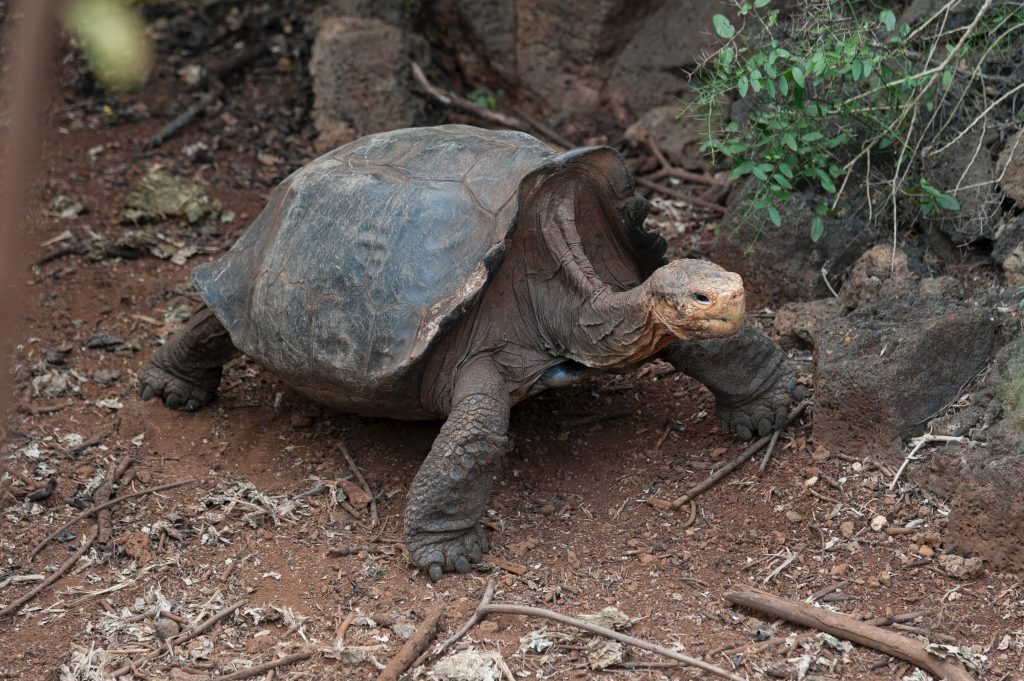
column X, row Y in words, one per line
column 363, row 258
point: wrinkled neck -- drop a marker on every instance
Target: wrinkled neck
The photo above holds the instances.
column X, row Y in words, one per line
column 615, row 328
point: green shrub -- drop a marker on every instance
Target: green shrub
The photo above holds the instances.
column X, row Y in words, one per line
column 838, row 95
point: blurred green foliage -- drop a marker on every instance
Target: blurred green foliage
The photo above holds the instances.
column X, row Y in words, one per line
column 113, row 37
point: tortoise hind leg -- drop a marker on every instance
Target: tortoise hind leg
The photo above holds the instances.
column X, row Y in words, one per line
column 186, row 370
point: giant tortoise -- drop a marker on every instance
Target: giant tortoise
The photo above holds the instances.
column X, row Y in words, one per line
column 450, row 272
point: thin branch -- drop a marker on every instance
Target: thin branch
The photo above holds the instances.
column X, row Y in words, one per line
column 500, row 609
column 374, row 519
column 408, row 653
column 60, row 572
column 854, row 630
column 699, row 489
column 93, row 509
column 265, row 667
column 473, row 620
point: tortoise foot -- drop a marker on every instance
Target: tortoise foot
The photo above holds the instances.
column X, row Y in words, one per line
column 440, row 552
column 176, row 392
column 763, row 413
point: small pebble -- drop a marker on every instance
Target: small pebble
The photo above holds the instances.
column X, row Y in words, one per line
column 878, row 522
column 846, row 529
column 793, row 516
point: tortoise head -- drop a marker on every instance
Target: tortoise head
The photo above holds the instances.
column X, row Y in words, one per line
column 696, row 299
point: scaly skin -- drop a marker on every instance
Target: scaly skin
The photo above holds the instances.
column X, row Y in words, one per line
column 748, row 375
column 451, row 489
column 185, row 371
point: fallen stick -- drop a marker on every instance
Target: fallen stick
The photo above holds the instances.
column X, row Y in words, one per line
column 449, row 98
column 473, row 620
column 768, row 453
column 679, row 196
column 183, row 637
column 265, row 667
column 60, row 572
column 699, row 489
column 746, row 648
column 551, row 134
column 374, row 519
column 214, row 91
column 851, row 629
column 104, row 519
column 93, row 509
column 500, row 609
column 416, row 644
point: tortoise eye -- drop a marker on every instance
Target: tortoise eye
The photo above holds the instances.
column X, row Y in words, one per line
column 701, row 298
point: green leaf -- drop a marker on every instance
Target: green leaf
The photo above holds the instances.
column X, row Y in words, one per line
column 773, row 215
column 947, row 202
column 888, row 19
column 798, row 76
column 868, row 64
column 725, row 56
column 784, row 86
column 885, row 143
column 723, row 27
column 947, row 77
column 761, row 170
column 744, row 86
column 813, row 136
column 789, row 140
column 744, row 8
column 817, row 229
column 826, row 182
column 780, row 179
column 857, row 70
column 741, row 170
column 786, row 169
column 761, row 3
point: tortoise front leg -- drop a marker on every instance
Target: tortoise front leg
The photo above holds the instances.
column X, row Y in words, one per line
column 747, row 373
column 450, row 491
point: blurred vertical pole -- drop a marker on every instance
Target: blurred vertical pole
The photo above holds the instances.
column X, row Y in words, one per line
column 29, row 36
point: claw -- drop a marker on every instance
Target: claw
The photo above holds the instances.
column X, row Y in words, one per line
column 461, row 565
column 435, row 572
column 147, row 392
column 172, row 400
column 743, row 433
column 476, row 553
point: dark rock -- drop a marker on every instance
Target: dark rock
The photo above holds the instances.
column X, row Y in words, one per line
column 577, row 57
column 105, row 376
column 987, row 514
column 361, row 78
column 783, row 264
column 55, row 357
column 884, row 370
column 801, row 323
column 879, row 273
column 1008, row 249
column 1010, row 168
column 104, row 341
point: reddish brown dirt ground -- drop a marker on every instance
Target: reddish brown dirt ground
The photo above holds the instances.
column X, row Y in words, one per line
column 570, row 526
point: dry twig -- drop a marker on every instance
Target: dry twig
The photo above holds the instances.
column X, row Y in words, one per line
column 184, row 637
column 107, row 504
column 854, row 630
column 416, row 644
column 699, row 489
column 60, row 572
column 265, row 667
column 374, row 519
column 487, row 608
column 455, row 101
